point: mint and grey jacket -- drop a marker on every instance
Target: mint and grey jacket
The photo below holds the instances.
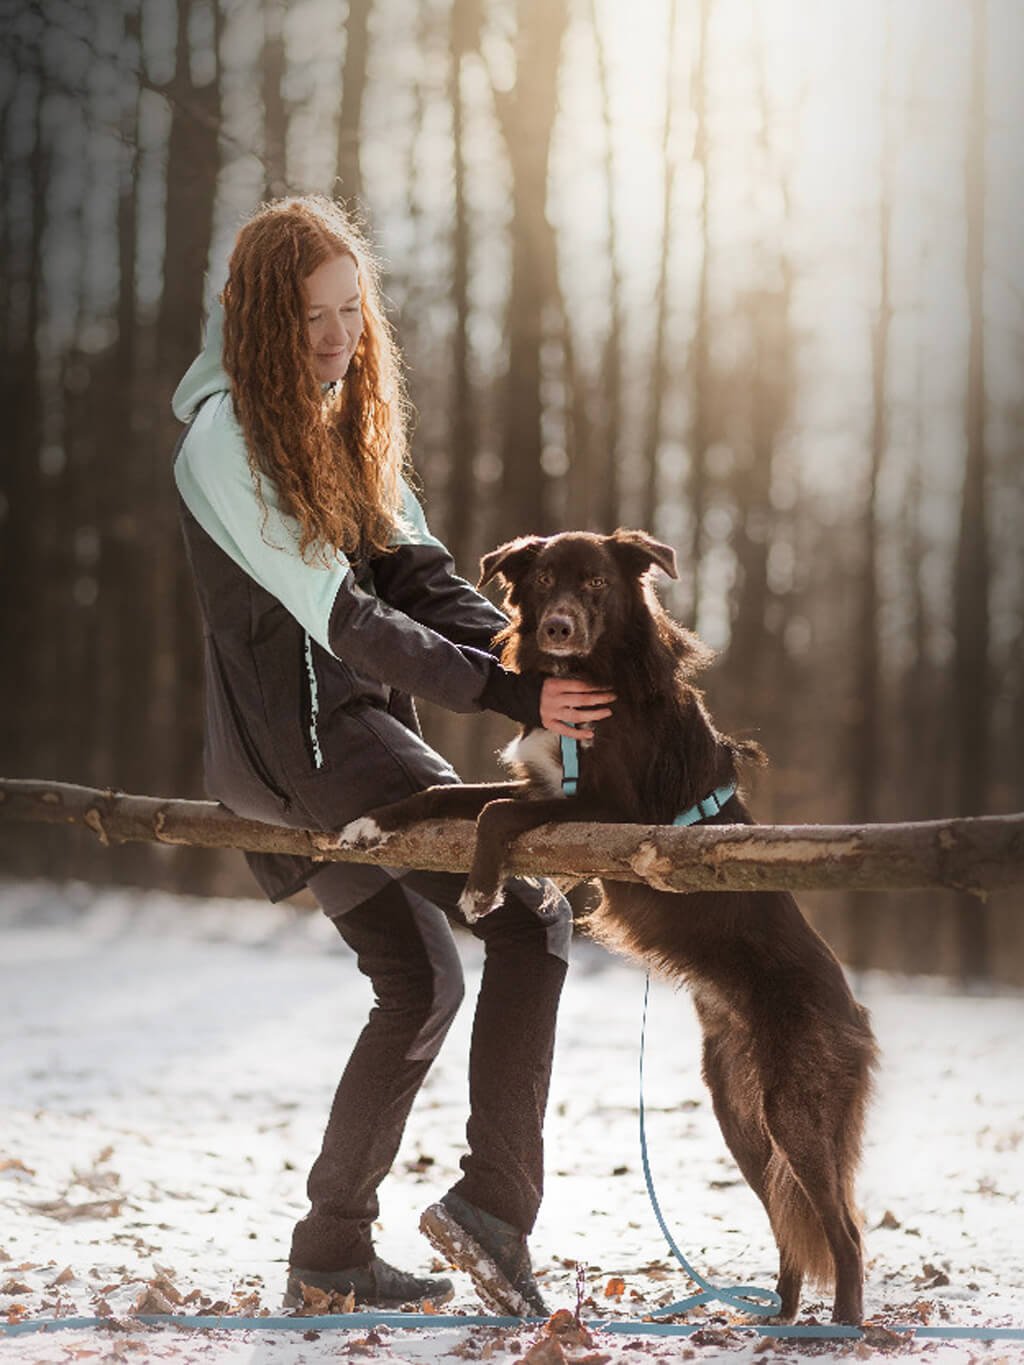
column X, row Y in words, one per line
column 310, row 668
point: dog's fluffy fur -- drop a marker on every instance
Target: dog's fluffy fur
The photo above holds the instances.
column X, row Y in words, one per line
column 788, row 1052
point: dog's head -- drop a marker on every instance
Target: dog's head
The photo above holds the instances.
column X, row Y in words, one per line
column 568, row 592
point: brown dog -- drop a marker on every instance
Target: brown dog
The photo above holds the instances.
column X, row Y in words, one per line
column 788, row 1052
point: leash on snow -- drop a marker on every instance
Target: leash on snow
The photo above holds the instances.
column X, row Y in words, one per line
column 350, row 1322
column 744, row 1298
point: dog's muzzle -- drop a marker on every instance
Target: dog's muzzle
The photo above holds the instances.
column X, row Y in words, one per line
column 562, row 631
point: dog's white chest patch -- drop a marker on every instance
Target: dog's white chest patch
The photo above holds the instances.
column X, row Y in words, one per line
column 540, row 753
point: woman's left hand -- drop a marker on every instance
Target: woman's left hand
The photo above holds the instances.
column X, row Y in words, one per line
column 569, row 705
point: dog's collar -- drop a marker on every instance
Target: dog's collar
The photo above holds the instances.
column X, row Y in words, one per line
column 703, row 810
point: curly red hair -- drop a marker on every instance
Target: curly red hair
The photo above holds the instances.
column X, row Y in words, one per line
column 334, row 456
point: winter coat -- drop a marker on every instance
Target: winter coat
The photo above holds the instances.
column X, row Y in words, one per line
column 310, row 668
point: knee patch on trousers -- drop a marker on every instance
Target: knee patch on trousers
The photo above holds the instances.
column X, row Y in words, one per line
column 446, row 968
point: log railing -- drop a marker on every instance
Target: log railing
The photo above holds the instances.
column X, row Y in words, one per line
column 978, row 855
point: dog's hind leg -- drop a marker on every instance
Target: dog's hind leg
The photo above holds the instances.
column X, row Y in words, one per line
column 814, row 1159
column 731, row 1078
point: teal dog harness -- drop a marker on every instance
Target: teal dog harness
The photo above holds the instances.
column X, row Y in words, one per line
column 703, row 810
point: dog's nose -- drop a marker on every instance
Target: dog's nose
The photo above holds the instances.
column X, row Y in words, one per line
column 557, row 630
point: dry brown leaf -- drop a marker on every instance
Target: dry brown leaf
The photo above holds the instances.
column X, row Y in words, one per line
column 564, row 1327
column 615, row 1288
column 14, row 1163
column 166, row 1286
column 16, row 1287
column 151, row 1300
column 545, row 1351
column 320, row 1302
column 881, row 1339
column 65, row 1277
column 64, row 1211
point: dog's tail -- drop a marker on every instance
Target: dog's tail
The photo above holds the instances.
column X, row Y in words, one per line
column 797, row 1227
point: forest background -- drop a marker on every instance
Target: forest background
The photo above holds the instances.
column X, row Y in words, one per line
column 748, row 275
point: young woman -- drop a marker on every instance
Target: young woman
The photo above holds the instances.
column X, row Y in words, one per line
column 327, row 604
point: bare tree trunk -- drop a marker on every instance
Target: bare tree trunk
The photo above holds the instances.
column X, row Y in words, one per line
column 611, row 360
column 275, row 111
column 581, row 497
column 463, row 38
column 24, row 710
column 972, row 685
column 124, row 485
column 865, row 729
column 353, row 88
column 659, row 377
column 700, row 423
column 173, row 682
column 771, row 403
column 527, row 115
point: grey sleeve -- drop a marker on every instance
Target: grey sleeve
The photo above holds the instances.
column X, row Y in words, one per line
column 214, row 478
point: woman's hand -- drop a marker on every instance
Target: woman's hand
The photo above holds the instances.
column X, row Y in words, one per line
column 568, row 705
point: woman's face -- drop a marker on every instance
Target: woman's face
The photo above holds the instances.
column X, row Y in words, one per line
column 334, row 314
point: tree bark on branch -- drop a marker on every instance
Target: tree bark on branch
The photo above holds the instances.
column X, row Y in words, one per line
column 976, row 855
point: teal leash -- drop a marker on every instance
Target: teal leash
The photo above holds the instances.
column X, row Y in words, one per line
column 744, row 1298
column 354, row 1322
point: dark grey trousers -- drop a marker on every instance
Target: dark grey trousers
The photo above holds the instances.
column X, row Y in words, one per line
column 404, row 944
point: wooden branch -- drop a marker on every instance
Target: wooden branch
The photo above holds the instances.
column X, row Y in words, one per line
column 977, row 855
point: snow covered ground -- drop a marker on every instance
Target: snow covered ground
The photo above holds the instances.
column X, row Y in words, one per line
column 167, row 1065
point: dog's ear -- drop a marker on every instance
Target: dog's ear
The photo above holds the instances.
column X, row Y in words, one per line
column 640, row 551
column 511, row 560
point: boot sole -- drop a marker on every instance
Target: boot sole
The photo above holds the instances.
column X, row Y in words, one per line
column 293, row 1299
column 465, row 1253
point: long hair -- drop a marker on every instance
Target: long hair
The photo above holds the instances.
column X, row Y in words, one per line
column 335, row 456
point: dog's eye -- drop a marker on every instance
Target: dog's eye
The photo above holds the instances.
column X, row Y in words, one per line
column 597, row 582
column 545, row 579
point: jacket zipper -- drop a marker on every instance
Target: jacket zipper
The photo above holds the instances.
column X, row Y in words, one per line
column 314, row 706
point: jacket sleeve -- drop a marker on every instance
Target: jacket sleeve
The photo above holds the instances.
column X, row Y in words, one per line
column 418, row 576
column 215, row 481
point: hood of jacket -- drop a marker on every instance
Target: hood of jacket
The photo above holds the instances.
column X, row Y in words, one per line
column 206, row 375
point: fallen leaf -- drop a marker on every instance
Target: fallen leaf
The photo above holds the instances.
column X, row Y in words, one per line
column 881, row 1339
column 545, row 1351
column 13, row 1163
column 164, row 1285
column 64, row 1211
column 16, row 1287
column 567, row 1329
column 152, row 1301
column 320, row 1302
column 615, row 1288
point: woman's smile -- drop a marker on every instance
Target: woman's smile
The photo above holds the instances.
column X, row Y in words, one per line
column 334, row 316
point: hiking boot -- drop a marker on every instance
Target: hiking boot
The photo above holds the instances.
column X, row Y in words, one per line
column 492, row 1252
column 377, row 1285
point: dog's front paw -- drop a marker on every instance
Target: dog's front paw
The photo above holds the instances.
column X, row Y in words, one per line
column 475, row 904
column 362, row 832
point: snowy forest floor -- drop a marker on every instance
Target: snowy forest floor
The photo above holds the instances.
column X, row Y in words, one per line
column 168, row 1065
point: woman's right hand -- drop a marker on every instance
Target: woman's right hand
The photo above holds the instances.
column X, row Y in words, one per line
column 569, row 705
